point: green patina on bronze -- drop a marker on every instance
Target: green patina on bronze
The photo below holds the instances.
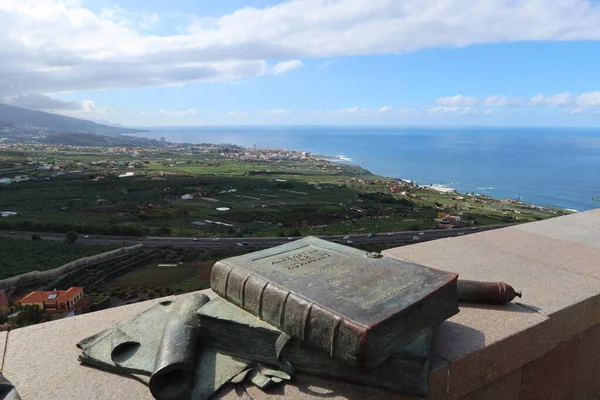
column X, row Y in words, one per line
column 238, row 333
column 175, row 363
column 161, row 348
column 355, row 307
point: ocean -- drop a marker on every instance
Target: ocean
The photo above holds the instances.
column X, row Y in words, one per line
column 558, row 167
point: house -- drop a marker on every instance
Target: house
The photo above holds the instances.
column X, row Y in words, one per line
column 447, row 218
column 54, row 301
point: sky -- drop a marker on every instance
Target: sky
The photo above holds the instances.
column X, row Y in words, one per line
column 305, row 62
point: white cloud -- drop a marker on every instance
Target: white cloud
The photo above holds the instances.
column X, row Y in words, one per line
column 353, row 110
column 501, row 101
column 589, row 99
column 89, row 106
column 457, row 101
column 361, row 111
column 470, row 101
column 581, row 111
column 42, row 102
column 277, row 112
column 178, row 113
column 148, row 19
column 569, row 103
column 385, row 110
column 38, row 101
column 451, row 110
column 561, row 99
column 286, row 66
column 48, row 46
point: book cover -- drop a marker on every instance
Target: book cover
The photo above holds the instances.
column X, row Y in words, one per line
column 355, row 308
column 230, row 330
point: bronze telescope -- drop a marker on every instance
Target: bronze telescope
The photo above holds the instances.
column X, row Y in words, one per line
column 498, row 293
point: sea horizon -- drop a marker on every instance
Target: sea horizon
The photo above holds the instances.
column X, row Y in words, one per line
column 551, row 167
column 156, row 128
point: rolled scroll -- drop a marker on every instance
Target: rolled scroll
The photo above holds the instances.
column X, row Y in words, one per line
column 174, row 368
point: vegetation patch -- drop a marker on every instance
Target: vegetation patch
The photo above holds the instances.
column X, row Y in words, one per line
column 18, row 256
column 160, row 276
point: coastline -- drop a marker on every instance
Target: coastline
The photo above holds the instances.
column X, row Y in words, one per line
column 442, row 157
column 444, row 189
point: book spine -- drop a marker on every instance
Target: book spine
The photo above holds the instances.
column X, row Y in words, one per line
column 316, row 326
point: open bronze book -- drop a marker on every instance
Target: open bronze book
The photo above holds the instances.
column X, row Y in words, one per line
column 357, row 309
column 232, row 331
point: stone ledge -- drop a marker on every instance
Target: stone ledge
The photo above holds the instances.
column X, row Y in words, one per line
column 41, row 360
column 579, row 228
column 561, row 295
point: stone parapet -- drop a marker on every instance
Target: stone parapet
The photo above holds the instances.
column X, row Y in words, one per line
column 543, row 346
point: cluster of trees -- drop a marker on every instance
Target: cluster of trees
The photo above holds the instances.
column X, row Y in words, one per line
column 124, row 229
column 25, row 316
column 29, row 315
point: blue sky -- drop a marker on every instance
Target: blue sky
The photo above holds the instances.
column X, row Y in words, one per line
column 381, row 62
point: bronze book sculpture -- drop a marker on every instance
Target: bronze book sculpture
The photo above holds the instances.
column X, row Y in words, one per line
column 241, row 335
column 357, row 309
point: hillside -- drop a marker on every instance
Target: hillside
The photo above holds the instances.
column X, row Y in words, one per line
column 24, row 117
column 4, row 124
column 76, row 139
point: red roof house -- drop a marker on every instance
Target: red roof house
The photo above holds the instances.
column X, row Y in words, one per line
column 54, row 301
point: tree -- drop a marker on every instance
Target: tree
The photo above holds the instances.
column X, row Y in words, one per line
column 29, row 315
column 71, row 237
column 294, row 232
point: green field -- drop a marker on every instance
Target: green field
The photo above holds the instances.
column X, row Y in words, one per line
column 284, row 198
column 160, row 276
column 18, row 256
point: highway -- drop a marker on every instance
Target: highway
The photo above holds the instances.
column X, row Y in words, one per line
column 387, row 237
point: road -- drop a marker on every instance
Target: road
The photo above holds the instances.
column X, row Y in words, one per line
column 391, row 237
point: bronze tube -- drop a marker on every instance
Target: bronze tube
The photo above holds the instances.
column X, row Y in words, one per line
column 485, row 292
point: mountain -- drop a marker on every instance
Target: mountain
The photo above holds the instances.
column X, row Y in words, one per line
column 24, row 117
